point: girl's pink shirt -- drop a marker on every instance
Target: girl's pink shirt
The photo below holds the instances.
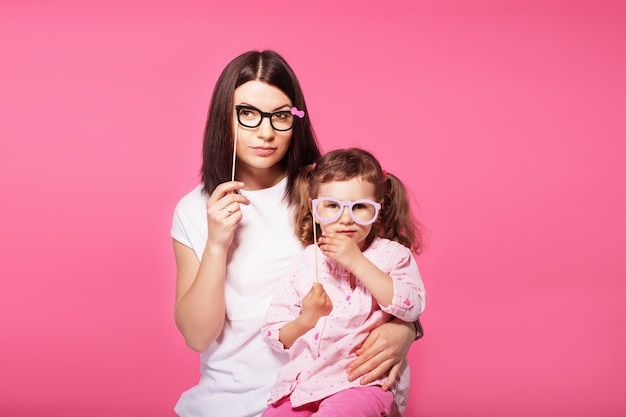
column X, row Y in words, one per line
column 319, row 358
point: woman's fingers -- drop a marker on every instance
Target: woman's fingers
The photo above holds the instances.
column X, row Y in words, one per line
column 393, row 376
column 224, row 213
column 384, row 348
column 371, row 356
column 225, row 188
column 224, row 201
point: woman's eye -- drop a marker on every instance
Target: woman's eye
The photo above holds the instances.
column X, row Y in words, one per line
column 248, row 113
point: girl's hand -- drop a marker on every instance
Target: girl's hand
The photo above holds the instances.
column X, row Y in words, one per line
column 223, row 213
column 383, row 351
column 315, row 304
column 340, row 248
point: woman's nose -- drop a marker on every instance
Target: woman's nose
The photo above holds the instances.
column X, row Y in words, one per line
column 265, row 129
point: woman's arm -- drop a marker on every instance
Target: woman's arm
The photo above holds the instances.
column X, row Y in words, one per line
column 200, row 309
column 200, row 306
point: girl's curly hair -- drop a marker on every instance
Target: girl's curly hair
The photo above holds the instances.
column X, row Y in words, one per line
column 395, row 221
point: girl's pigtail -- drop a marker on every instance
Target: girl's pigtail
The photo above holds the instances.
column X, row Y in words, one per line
column 397, row 220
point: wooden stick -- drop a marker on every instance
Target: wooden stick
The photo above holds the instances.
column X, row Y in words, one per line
column 315, row 243
column 234, row 152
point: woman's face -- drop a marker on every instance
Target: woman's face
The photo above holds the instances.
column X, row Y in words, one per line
column 260, row 149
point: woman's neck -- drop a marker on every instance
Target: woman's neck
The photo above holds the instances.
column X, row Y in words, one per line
column 259, row 179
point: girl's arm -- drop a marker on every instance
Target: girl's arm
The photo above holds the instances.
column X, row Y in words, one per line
column 200, row 307
column 293, row 312
column 379, row 284
column 315, row 304
column 399, row 292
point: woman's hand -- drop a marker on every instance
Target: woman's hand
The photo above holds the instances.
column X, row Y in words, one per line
column 383, row 351
column 223, row 213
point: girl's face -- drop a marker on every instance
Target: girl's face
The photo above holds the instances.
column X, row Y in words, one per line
column 260, row 149
column 351, row 190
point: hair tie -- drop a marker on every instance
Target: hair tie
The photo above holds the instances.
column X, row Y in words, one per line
column 314, row 164
column 384, row 174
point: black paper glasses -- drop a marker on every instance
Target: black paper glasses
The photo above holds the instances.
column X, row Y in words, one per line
column 252, row 117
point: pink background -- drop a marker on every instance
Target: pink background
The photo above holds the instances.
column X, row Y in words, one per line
column 505, row 118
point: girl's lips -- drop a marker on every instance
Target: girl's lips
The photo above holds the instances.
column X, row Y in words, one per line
column 264, row 151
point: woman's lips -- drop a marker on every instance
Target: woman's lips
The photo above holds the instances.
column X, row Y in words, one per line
column 264, row 151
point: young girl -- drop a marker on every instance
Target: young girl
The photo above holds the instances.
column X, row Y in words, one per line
column 360, row 274
column 233, row 240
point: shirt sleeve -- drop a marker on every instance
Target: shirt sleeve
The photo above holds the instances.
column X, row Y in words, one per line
column 189, row 223
column 286, row 305
column 409, row 295
column 178, row 230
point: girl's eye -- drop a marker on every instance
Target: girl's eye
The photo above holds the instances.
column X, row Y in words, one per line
column 358, row 206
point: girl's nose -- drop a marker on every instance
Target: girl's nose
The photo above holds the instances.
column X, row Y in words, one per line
column 345, row 216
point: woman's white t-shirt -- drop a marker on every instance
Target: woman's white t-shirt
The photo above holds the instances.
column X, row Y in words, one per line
column 239, row 368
